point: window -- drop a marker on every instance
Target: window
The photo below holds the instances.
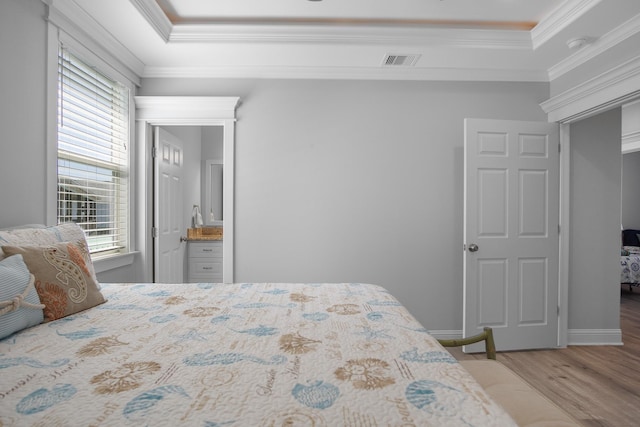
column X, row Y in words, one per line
column 93, row 160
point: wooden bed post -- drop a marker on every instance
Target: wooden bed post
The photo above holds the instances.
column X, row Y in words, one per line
column 486, row 336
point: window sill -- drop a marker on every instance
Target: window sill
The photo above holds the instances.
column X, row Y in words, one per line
column 111, row 262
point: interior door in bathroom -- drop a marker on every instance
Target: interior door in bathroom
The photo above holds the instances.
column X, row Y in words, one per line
column 169, row 249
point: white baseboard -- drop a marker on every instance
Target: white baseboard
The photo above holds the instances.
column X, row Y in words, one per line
column 594, row 337
column 575, row 336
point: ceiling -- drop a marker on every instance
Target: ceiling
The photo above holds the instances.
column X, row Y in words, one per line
column 489, row 40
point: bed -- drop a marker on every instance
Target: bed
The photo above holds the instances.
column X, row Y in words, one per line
column 630, row 258
column 246, row 354
column 630, row 269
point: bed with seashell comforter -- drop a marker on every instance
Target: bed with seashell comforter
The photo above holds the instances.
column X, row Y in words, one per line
column 252, row 354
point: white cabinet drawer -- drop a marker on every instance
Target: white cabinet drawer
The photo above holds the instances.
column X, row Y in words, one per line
column 205, row 249
column 204, row 266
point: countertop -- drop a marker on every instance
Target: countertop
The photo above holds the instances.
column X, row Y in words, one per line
column 204, row 233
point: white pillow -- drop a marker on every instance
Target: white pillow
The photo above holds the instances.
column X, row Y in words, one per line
column 36, row 235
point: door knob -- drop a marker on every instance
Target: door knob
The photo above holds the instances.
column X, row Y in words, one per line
column 473, row 247
column 183, row 239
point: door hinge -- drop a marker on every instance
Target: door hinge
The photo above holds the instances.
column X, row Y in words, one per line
column 154, row 152
column 559, row 148
column 558, row 228
column 558, row 312
column 154, row 232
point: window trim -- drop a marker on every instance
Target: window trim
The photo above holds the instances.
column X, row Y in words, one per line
column 82, row 45
column 93, row 155
column 111, row 262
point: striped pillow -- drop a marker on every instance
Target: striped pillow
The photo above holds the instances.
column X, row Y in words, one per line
column 19, row 300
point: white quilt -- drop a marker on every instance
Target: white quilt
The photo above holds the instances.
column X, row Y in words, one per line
column 238, row 355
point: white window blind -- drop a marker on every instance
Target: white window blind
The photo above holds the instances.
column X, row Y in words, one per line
column 93, row 162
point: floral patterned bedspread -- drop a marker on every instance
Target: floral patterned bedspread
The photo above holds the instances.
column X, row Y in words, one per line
column 630, row 269
column 238, row 355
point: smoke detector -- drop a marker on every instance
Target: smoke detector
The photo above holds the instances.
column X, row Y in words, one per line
column 578, row 42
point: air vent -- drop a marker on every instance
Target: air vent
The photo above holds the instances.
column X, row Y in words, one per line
column 400, row 60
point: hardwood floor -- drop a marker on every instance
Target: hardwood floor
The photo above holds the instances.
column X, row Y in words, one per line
column 597, row 385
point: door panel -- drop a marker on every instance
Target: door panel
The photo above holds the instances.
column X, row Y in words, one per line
column 533, row 209
column 492, row 197
column 492, row 283
column 511, row 214
column 532, row 272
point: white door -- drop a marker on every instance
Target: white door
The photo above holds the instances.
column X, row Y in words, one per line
column 511, row 214
column 169, row 250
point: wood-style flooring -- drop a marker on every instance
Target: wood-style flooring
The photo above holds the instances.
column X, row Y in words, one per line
column 597, row 385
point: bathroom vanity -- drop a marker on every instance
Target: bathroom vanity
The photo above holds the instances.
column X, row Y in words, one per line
column 204, row 255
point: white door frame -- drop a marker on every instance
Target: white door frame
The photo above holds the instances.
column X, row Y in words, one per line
column 563, row 262
column 182, row 111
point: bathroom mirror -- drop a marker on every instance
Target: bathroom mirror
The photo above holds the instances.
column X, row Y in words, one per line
column 212, row 214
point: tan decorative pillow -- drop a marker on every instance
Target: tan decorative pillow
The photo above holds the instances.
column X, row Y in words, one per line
column 64, row 276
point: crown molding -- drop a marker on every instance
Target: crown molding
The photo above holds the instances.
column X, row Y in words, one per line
column 631, row 146
column 155, row 16
column 72, row 19
column 350, row 73
column 631, row 142
column 151, row 108
column 610, row 89
column 629, row 29
column 341, row 34
column 68, row 14
column 631, row 127
column 559, row 19
column 327, row 33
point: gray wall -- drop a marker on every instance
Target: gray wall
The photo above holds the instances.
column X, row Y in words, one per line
column 22, row 112
column 631, row 190
column 594, row 284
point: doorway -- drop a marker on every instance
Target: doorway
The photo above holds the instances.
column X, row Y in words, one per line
column 181, row 111
column 630, row 201
column 182, row 183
